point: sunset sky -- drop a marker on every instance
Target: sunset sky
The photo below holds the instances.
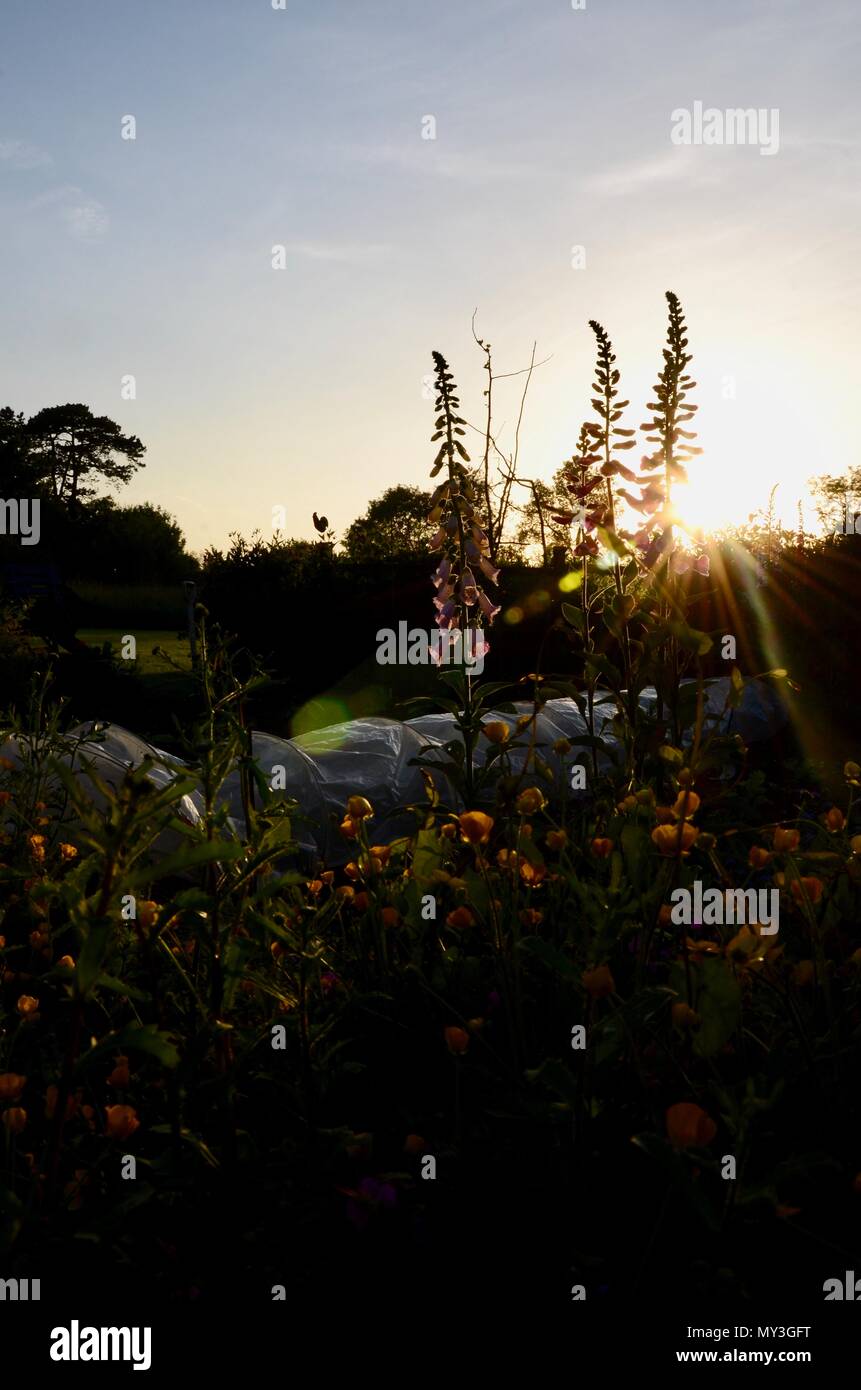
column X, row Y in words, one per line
column 303, row 387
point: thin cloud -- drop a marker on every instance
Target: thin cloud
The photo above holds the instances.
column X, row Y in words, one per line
column 84, row 217
column 20, row 154
column 628, row 178
column 346, row 253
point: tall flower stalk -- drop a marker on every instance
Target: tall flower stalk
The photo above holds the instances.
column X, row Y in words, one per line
column 462, row 605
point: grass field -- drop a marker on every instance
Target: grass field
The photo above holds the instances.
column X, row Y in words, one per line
column 178, row 652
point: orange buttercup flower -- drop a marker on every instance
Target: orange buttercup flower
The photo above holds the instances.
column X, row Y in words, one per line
column 121, row 1121
column 120, row 1074
column 475, row 827
column 4, row 797
column 414, row 1144
column 562, row 747
column 68, row 962
column 315, row 886
column 665, row 815
column 530, row 802
column 531, row 874
column 496, row 731
column 390, row 916
column 786, row 841
column 758, row 857
column 345, row 893
column 855, row 844
column 684, row 1016
column 835, row 819
column 359, row 808
column 67, row 851
column 531, row 917
column 556, row 839
column 508, row 859
column 688, row 1126
column 352, row 871
column 602, row 847
column 328, row 877
column 665, row 915
column 147, row 914
column 809, row 887
column 457, row 1040
column 628, row 803
column 349, row 828
column 686, row 804
column 15, row 1119
column 361, row 901
column 11, row 1085
column 675, row 839
column 37, row 847
column 460, row 917
column 803, row 973
column 598, row 983
column 381, row 852
column 27, row 1005
column 51, row 1096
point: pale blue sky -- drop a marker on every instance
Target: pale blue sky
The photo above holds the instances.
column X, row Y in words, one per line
column 303, row 387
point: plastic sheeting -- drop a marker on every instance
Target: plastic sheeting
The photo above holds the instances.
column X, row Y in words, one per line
column 372, row 758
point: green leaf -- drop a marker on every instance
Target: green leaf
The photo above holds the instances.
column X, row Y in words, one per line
column 135, row 1037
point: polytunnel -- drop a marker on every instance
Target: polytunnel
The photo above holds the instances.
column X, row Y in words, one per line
column 375, row 758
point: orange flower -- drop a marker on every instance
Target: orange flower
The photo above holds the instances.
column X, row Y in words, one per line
column 803, row 973
column 556, row 839
column 475, row 827
column 628, row 803
column 4, row 797
column 508, row 859
column 457, row 1040
column 786, row 841
column 390, row 916
column 315, row 886
column 349, row 828
column 675, row 839
column 51, row 1096
column 531, row 917
column 562, row 747
column 37, row 847
column 121, row 1121
column 460, row 917
column 328, row 877
column 68, row 962
column 352, row 871
column 598, row 983
column 665, row 815
column 811, row 887
column 530, row 802
column 758, row 857
column 381, row 852
column 147, row 914
column 686, row 804
column 11, row 1085
column 602, row 847
column 532, row 873
column 27, row 1005
column 414, row 1144
column 15, row 1119
column 346, row 893
column 359, row 808
column 684, row 1016
column 120, row 1074
column 835, row 819
column 689, row 1127
column 67, row 851
column 496, row 731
